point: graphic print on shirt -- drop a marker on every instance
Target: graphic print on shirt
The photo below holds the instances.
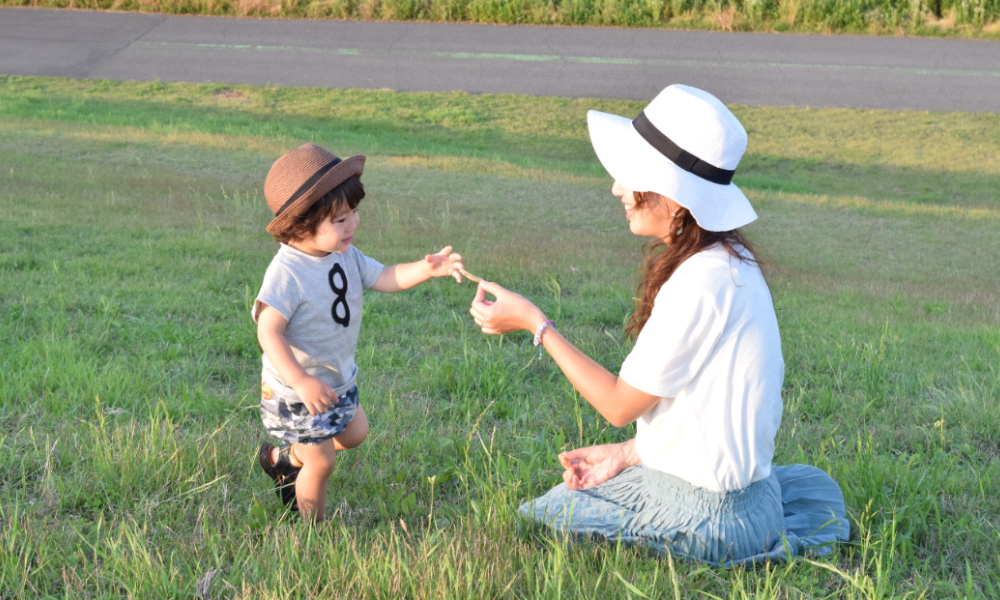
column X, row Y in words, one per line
column 340, row 296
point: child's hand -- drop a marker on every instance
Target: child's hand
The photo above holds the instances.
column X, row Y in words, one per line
column 445, row 263
column 315, row 394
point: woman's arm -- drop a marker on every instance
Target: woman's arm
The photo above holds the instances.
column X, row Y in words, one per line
column 406, row 275
column 616, row 400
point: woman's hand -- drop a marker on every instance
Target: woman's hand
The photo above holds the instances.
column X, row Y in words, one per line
column 593, row 465
column 509, row 312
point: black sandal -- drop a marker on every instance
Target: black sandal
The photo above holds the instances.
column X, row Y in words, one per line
column 282, row 472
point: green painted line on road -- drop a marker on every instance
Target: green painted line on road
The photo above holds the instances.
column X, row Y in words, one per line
column 600, row 60
column 345, row 51
column 605, row 61
column 527, row 57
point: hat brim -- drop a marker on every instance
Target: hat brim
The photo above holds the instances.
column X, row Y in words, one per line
column 635, row 164
column 346, row 168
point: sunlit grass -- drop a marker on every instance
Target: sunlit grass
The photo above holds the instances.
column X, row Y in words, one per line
column 943, row 18
column 133, row 244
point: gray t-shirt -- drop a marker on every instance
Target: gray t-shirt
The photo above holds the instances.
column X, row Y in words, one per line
column 320, row 297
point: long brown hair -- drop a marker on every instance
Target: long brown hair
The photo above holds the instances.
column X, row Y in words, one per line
column 662, row 257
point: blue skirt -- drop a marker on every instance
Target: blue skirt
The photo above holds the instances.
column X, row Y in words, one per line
column 798, row 508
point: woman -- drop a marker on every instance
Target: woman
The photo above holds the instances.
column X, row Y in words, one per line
column 704, row 378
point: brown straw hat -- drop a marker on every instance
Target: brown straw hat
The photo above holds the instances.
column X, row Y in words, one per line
column 300, row 178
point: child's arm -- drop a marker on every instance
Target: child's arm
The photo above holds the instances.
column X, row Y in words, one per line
column 406, row 275
column 314, row 392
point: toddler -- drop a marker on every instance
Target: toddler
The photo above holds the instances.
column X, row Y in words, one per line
column 308, row 316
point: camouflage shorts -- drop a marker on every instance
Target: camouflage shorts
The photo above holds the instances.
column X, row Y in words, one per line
column 292, row 423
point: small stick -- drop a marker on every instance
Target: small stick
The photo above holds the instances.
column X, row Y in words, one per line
column 470, row 276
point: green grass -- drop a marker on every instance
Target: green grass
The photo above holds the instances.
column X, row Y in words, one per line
column 931, row 18
column 134, row 242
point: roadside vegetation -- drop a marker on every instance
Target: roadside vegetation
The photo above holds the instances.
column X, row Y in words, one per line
column 133, row 244
column 930, row 18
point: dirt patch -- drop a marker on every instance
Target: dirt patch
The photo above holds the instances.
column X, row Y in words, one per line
column 230, row 94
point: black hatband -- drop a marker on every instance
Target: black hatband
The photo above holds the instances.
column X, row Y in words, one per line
column 679, row 156
column 305, row 187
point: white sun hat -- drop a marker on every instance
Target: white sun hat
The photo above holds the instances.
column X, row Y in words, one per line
column 685, row 145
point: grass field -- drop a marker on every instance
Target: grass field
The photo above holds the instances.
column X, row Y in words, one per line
column 978, row 19
column 133, row 244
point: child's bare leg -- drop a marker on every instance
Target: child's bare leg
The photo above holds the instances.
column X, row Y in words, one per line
column 310, row 485
column 355, row 432
column 317, row 461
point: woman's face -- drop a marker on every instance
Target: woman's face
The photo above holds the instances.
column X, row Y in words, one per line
column 655, row 219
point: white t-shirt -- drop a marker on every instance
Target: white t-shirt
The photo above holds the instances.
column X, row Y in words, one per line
column 712, row 352
column 321, row 300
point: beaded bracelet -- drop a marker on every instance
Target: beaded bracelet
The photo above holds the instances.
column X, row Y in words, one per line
column 538, row 335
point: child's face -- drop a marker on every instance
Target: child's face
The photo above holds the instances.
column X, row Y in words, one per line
column 332, row 235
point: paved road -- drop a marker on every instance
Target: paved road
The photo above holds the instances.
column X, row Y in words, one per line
column 761, row 69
